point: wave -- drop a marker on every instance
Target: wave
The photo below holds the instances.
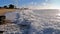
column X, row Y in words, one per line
column 35, row 22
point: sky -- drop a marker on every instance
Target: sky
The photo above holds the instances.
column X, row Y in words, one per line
column 33, row 4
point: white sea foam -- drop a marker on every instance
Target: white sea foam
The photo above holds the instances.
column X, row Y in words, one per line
column 39, row 19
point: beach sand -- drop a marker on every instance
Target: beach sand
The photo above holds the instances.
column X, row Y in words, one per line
column 2, row 11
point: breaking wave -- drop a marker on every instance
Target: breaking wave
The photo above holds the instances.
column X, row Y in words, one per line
column 36, row 21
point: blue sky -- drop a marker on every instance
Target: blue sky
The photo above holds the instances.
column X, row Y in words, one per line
column 32, row 3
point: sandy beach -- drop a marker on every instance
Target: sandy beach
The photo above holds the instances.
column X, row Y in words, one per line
column 2, row 11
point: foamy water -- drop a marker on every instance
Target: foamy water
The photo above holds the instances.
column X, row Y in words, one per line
column 37, row 21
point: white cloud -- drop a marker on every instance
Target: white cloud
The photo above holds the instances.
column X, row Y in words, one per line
column 44, row 5
column 34, row 5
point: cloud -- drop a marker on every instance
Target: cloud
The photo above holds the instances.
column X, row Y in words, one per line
column 44, row 5
column 40, row 7
column 47, row 4
column 35, row 5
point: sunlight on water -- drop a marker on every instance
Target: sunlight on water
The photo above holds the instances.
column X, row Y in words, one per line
column 58, row 14
column 41, row 21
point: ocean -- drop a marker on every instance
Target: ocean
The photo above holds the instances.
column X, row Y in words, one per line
column 43, row 21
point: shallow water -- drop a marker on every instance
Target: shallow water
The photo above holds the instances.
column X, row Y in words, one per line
column 38, row 21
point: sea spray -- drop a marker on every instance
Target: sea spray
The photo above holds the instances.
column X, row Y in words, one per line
column 39, row 21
